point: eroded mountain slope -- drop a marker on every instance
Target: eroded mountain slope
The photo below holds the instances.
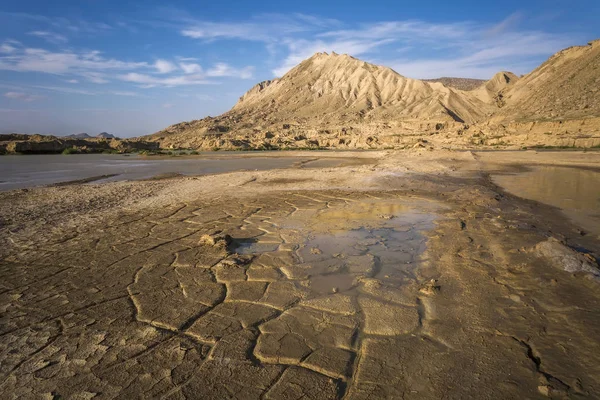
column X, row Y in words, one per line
column 338, row 101
column 566, row 86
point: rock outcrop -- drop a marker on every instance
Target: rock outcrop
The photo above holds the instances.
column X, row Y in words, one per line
column 45, row 144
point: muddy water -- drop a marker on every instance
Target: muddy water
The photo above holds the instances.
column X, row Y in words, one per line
column 575, row 191
column 337, row 247
column 33, row 170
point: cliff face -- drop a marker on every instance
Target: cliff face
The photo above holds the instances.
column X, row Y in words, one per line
column 338, row 101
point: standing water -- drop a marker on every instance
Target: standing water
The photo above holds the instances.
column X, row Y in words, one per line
column 575, row 191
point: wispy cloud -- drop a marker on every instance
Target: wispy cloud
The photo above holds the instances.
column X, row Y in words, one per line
column 456, row 49
column 148, row 81
column 193, row 74
column 485, row 55
column 263, row 27
column 126, row 94
column 505, row 25
column 429, row 49
column 51, row 37
column 74, row 25
column 226, row 70
column 94, row 67
column 67, row 90
column 88, row 64
column 9, row 46
column 20, row 96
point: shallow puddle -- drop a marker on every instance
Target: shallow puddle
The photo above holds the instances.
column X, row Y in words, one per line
column 575, row 191
column 334, row 247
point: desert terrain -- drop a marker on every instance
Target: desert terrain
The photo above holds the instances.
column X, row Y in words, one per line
column 410, row 275
column 441, row 246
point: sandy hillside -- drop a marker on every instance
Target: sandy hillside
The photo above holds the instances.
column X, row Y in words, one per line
column 338, row 101
column 567, row 86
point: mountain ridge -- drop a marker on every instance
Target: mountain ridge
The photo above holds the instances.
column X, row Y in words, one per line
column 339, row 101
column 101, row 135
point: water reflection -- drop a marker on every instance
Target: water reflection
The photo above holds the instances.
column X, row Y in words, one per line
column 575, row 191
column 33, row 170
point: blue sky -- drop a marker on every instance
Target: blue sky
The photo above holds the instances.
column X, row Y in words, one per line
column 133, row 68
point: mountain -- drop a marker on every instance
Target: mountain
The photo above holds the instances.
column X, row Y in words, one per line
column 494, row 90
column 332, row 87
column 102, row 135
column 80, row 136
column 458, row 83
column 338, row 101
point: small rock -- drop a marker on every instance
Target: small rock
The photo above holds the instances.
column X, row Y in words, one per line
column 217, row 239
column 430, row 287
column 566, row 258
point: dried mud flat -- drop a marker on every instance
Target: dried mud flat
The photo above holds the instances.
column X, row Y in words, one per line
column 410, row 277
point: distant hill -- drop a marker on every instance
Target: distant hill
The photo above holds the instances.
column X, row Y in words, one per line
column 80, row 136
column 458, row 83
column 103, row 135
column 106, row 135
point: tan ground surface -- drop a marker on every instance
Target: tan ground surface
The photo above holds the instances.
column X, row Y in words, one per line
column 452, row 289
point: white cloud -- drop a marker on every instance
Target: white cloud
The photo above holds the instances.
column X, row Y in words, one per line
column 63, row 62
column 223, row 69
column 148, row 81
column 94, row 67
column 264, row 27
column 67, row 90
column 164, row 66
column 189, row 77
column 190, row 68
column 451, row 49
column 167, row 105
column 77, row 25
column 95, row 77
column 51, row 37
column 505, row 25
column 22, row 96
column 512, row 51
column 7, row 47
column 125, row 93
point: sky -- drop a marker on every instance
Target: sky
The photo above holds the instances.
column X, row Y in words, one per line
column 133, row 68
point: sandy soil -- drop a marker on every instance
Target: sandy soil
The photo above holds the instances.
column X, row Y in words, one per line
column 412, row 276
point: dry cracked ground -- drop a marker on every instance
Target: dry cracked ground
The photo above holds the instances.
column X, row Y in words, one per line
column 355, row 283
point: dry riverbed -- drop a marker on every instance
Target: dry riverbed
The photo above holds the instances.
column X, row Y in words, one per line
column 411, row 275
